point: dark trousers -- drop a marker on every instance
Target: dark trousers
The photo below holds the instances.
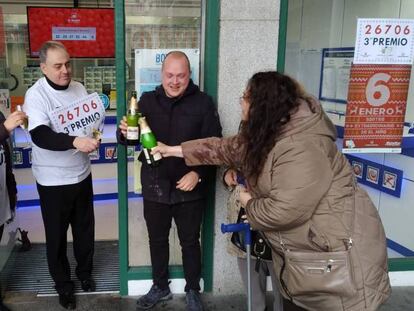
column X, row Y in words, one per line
column 1, row 235
column 61, row 206
column 187, row 217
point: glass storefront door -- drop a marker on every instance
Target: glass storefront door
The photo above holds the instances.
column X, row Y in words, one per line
column 152, row 29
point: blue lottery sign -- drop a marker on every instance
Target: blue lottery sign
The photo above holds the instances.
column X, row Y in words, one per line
column 105, row 100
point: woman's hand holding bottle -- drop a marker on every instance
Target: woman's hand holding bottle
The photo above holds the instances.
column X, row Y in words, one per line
column 15, row 119
column 168, row 151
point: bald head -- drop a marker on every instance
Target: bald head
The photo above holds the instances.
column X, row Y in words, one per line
column 176, row 55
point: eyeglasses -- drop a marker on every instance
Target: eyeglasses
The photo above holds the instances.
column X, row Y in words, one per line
column 244, row 97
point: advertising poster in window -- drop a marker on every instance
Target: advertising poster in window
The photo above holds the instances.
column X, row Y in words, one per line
column 384, row 41
column 148, row 64
column 375, row 113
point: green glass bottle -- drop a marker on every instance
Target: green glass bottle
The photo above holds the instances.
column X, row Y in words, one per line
column 148, row 142
column 132, row 121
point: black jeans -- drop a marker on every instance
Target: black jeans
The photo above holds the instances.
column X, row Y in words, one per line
column 187, row 217
column 61, row 206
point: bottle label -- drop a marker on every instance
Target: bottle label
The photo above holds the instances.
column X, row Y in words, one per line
column 132, row 132
column 157, row 156
column 151, row 158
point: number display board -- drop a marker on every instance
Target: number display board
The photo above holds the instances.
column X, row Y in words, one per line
column 148, row 64
column 85, row 32
column 375, row 112
column 384, row 41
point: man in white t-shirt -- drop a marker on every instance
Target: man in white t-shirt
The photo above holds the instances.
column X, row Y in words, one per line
column 61, row 167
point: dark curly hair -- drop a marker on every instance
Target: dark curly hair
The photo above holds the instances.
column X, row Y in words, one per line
column 273, row 98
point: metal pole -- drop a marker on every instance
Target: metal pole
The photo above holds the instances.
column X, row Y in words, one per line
column 249, row 283
column 248, row 242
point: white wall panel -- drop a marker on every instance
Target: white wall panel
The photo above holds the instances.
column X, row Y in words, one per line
column 294, row 21
column 322, row 23
column 355, row 9
column 397, row 215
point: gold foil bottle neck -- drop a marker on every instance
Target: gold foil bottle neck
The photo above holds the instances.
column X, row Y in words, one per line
column 143, row 123
column 133, row 104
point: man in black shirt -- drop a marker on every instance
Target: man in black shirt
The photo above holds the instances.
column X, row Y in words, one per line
column 177, row 111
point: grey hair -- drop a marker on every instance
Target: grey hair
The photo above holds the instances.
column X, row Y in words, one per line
column 49, row 45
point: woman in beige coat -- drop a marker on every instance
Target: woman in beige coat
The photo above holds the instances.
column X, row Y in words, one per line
column 301, row 190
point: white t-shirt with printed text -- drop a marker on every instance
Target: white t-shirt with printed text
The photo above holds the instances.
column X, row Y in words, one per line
column 53, row 168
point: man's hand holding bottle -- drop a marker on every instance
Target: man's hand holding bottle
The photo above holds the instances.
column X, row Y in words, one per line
column 86, row 144
column 123, row 126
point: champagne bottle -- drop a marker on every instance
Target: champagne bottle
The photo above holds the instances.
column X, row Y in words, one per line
column 148, row 142
column 132, row 121
column 25, row 124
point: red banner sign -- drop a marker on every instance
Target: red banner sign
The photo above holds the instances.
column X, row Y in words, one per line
column 85, row 32
column 377, row 100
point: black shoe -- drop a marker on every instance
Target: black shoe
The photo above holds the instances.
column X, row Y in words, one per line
column 88, row 285
column 192, row 298
column 154, row 296
column 67, row 300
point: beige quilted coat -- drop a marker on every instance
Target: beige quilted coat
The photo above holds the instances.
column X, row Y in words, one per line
column 305, row 191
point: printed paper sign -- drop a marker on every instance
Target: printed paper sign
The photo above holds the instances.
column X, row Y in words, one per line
column 390, row 180
column 375, row 112
column 336, row 68
column 384, row 41
column 358, row 169
column 81, row 117
column 372, row 174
